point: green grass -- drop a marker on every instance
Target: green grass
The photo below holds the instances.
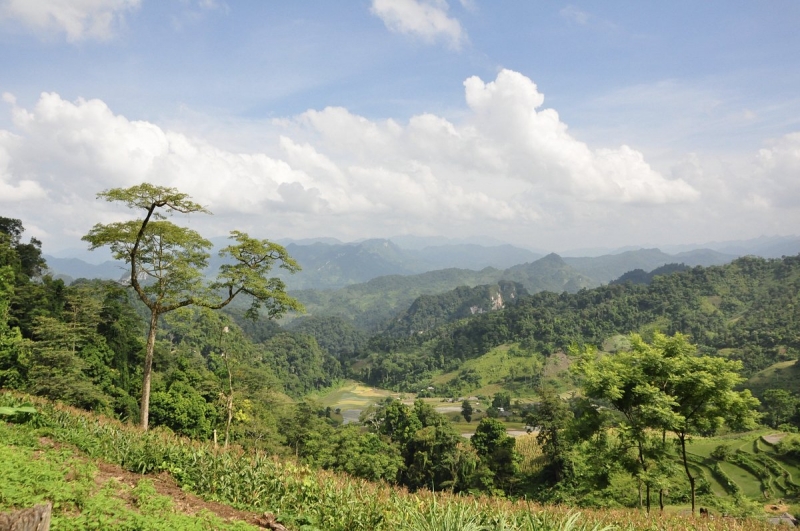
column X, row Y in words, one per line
column 495, row 370
column 782, row 375
column 750, row 485
column 757, row 458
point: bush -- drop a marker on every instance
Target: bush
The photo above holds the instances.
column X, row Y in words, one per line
column 722, row 452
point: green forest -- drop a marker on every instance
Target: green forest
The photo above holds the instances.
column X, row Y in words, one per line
column 666, row 375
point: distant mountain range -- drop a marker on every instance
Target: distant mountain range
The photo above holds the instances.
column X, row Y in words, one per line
column 74, row 268
column 369, row 305
column 763, row 246
column 330, row 264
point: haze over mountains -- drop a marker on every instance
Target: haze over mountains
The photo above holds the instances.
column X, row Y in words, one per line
column 331, row 264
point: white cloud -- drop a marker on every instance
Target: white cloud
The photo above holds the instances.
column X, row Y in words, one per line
column 426, row 19
column 78, row 19
column 508, row 166
column 575, row 15
column 538, row 148
column 14, row 190
column 779, row 169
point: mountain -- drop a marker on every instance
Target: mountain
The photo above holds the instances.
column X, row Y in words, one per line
column 768, row 247
column 371, row 304
column 472, row 256
column 748, row 310
column 603, row 269
column 76, row 268
column 328, row 266
column 429, row 311
column 640, row 276
column 551, row 273
column 334, row 266
column 409, row 241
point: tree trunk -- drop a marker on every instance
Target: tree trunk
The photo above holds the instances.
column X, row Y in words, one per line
column 148, row 371
column 229, row 401
column 682, row 439
column 230, row 417
column 639, row 484
column 647, row 484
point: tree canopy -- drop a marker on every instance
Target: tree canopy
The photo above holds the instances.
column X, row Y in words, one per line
column 167, row 262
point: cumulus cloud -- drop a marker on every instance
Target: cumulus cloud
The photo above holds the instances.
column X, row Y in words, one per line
column 778, row 167
column 12, row 188
column 426, row 19
column 538, row 147
column 78, row 19
column 507, row 162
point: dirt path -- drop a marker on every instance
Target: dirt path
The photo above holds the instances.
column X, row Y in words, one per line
column 165, row 485
column 184, row 502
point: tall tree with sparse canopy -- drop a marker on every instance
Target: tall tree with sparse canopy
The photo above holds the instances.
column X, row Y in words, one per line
column 167, row 261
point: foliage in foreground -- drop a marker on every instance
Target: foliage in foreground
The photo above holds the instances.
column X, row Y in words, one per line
column 301, row 498
column 33, row 473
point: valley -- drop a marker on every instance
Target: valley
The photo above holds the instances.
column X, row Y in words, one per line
column 462, row 380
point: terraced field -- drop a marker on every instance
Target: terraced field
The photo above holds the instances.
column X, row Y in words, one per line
column 752, row 467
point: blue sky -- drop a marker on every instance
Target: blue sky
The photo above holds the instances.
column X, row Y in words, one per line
column 551, row 125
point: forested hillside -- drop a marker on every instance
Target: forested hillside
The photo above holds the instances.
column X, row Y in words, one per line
column 747, row 310
column 371, row 305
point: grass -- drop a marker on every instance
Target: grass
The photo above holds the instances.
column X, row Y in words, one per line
column 747, row 482
column 754, row 468
column 496, row 367
column 782, row 375
column 354, row 395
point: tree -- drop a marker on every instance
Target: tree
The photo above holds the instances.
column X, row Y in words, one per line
column 29, row 255
column 166, row 263
column 702, row 388
column 496, row 449
column 779, row 406
column 551, row 417
column 466, row 410
column 502, row 400
column 666, row 386
column 633, row 383
column 10, row 338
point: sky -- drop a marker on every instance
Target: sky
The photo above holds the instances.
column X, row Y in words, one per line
column 551, row 125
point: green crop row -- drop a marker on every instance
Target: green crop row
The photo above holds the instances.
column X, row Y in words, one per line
column 306, row 499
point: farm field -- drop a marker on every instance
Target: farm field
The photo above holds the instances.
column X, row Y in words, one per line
column 103, row 473
column 752, row 466
column 351, row 398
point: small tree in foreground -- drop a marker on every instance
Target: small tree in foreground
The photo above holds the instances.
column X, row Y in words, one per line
column 665, row 386
column 166, row 263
